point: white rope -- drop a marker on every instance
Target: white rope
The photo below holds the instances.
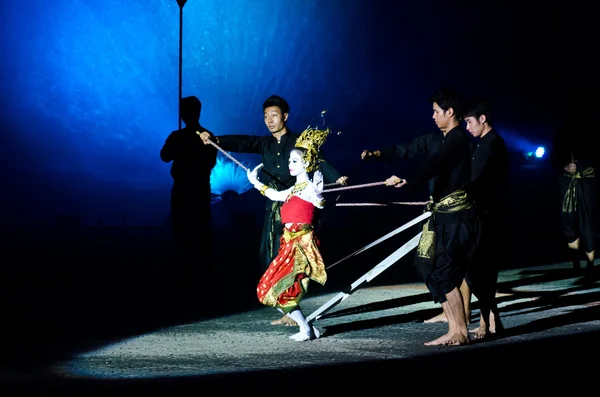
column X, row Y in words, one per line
column 367, row 277
column 381, row 204
column 355, row 186
column 230, row 157
column 418, row 219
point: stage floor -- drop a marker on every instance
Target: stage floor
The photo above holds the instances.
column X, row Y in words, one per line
column 374, row 337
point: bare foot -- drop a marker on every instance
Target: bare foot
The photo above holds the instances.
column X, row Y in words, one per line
column 495, row 324
column 480, row 332
column 450, row 340
column 285, row 320
column 440, row 318
column 484, row 330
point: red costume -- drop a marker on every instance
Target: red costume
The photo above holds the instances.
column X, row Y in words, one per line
column 299, row 260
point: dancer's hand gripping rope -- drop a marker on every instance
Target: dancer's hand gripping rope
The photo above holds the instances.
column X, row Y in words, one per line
column 253, row 175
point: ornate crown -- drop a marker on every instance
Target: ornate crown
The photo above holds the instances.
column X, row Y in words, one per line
column 311, row 140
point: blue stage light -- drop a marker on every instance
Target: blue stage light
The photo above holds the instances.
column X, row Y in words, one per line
column 228, row 176
column 536, row 155
column 539, row 152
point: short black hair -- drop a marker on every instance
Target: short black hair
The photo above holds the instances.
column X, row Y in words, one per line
column 477, row 108
column 276, row 100
column 447, row 98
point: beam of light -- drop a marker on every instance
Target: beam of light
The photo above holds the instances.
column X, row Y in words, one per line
column 519, row 142
column 229, row 176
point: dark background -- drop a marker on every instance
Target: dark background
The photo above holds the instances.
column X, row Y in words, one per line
column 90, row 93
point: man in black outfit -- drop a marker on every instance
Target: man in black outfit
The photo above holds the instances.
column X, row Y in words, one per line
column 192, row 163
column 275, row 152
column 448, row 238
column 576, row 161
column 488, row 189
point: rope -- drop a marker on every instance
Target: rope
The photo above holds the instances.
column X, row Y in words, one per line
column 244, row 167
column 381, row 204
column 354, row 187
column 229, row 156
column 418, row 219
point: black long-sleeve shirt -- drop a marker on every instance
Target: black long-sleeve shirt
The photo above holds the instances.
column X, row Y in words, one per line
column 192, row 160
column 275, row 157
column 489, row 172
column 447, row 161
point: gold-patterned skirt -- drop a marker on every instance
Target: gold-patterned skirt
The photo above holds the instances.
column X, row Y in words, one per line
column 299, row 260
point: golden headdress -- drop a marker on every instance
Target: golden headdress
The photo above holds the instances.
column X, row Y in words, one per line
column 311, row 140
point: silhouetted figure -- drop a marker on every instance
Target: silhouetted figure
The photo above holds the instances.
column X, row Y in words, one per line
column 190, row 195
column 576, row 161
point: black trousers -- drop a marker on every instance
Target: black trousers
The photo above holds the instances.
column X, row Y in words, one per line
column 454, row 244
column 490, row 252
column 191, row 225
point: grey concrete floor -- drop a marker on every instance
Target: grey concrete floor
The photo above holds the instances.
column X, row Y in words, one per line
column 372, row 338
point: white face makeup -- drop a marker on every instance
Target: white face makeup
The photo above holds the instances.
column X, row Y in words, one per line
column 296, row 163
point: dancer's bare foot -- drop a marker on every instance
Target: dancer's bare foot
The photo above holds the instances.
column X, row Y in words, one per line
column 285, row 320
column 496, row 325
column 441, row 318
column 484, row 330
column 480, row 332
column 449, row 339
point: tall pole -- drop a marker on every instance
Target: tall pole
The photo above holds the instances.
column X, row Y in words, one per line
column 181, row 4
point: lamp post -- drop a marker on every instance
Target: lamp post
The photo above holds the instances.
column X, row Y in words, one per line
column 181, row 4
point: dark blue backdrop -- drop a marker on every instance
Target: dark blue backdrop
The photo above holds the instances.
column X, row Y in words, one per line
column 90, row 88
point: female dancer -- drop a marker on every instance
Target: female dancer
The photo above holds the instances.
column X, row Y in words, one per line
column 299, row 260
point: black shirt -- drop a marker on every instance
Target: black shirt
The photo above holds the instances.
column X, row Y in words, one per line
column 275, row 157
column 447, row 161
column 489, row 171
column 426, row 145
column 192, row 160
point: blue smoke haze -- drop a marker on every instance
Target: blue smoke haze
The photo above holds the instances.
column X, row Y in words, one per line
column 90, row 88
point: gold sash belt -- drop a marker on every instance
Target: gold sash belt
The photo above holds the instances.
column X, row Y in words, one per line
column 454, row 202
column 570, row 201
